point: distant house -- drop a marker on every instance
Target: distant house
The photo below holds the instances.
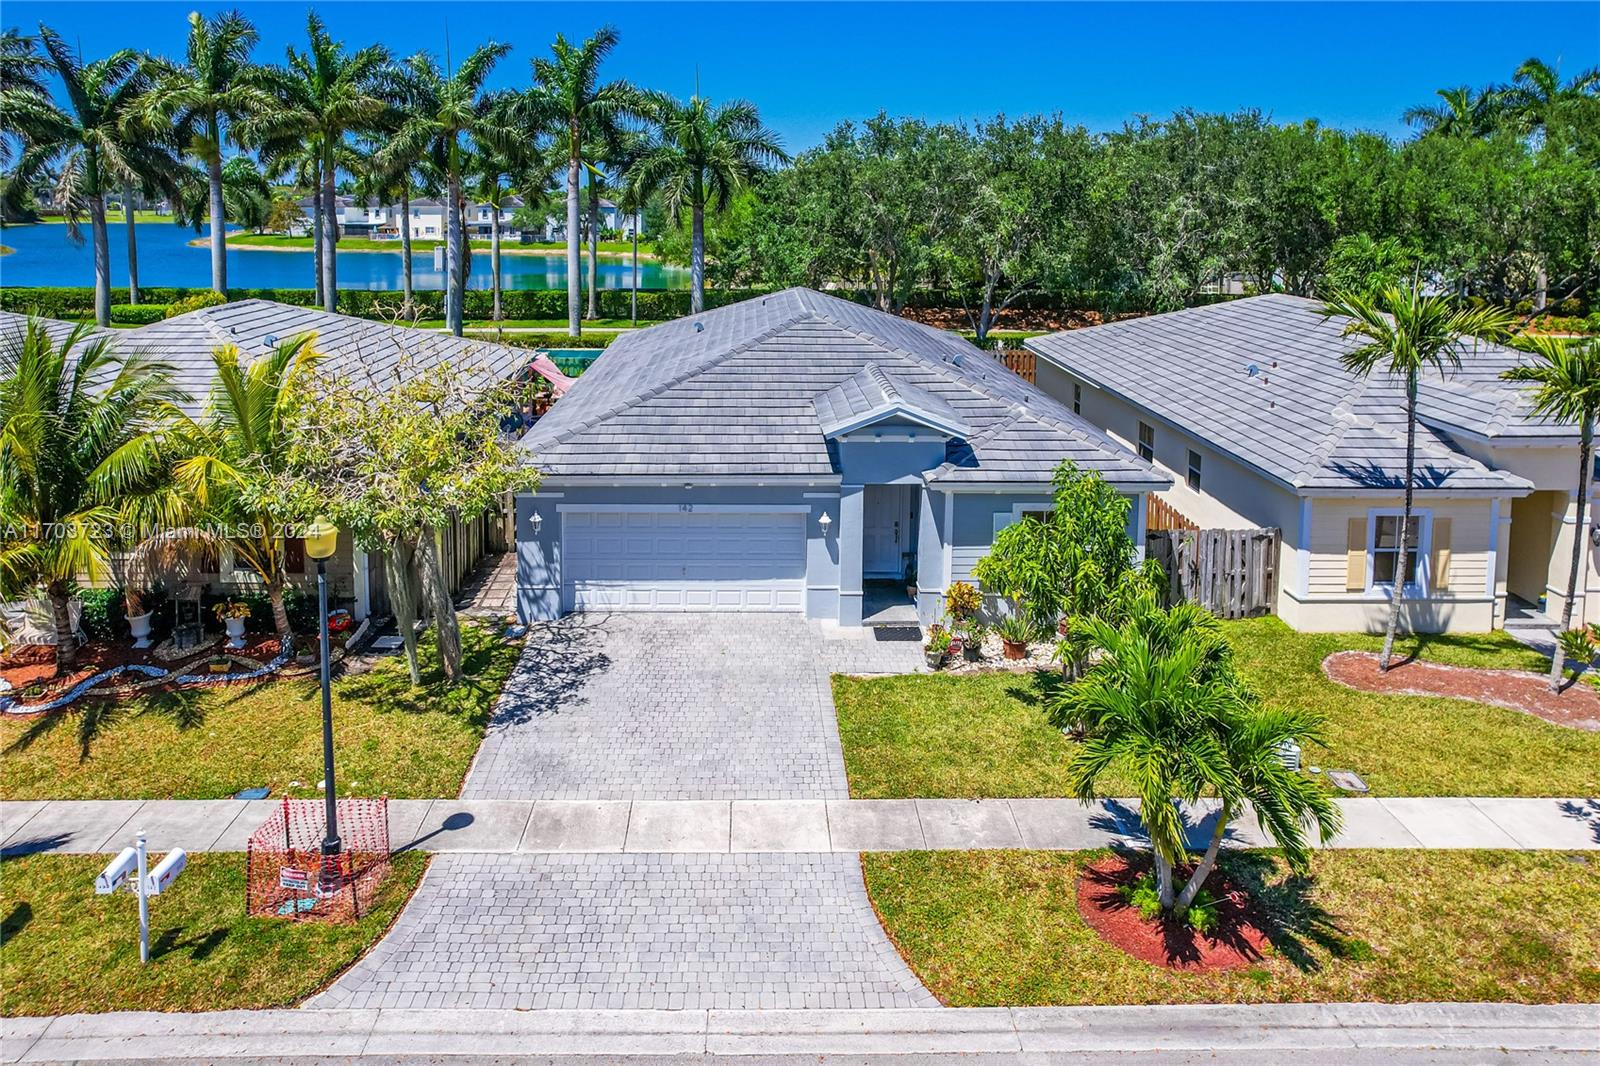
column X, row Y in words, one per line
column 1248, row 408
column 613, row 219
column 796, row 453
column 348, row 346
column 426, row 220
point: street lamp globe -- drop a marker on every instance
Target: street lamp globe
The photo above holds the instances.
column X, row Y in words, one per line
column 322, row 538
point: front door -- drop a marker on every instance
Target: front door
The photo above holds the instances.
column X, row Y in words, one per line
column 888, row 531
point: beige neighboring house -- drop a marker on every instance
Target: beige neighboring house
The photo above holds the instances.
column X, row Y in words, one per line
column 1247, row 405
column 348, row 346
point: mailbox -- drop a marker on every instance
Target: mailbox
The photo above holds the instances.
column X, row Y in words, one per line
column 166, row 872
column 115, row 875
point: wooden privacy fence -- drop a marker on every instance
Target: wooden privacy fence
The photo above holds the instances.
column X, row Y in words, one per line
column 1018, row 360
column 1233, row 573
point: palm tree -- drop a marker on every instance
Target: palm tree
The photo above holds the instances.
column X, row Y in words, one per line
column 1566, row 389
column 96, row 142
column 1166, row 709
column 325, row 94
column 1403, row 331
column 78, row 424
column 389, row 183
column 206, row 100
column 1462, row 112
column 489, row 170
column 237, row 445
column 439, row 110
column 1536, row 94
column 569, row 97
column 700, row 155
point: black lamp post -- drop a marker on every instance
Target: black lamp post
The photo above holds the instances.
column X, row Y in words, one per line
column 322, row 539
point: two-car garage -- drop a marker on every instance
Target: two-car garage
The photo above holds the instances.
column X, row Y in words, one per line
column 680, row 558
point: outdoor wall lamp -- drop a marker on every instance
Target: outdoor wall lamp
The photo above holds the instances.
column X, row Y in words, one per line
column 536, row 520
column 825, row 522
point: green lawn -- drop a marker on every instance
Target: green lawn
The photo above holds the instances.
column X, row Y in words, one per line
column 418, row 245
column 67, row 950
column 986, row 735
column 1001, row 928
column 209, row 743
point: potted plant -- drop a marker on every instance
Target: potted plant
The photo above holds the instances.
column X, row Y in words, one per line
column 219, row 664
column 962, row 600
column 910, row 562
column 938, row 645
column 1015, row 632
column 972, row 640
column 232, row 614
column 138, row 617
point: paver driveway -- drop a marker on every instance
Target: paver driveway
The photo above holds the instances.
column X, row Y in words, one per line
column 670, row 706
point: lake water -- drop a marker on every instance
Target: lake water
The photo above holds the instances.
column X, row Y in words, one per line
column 45, row 256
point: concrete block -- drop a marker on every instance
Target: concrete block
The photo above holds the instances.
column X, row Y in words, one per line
column 577, row 825
column 405, row 821
column 481, row 1034
column 218, row 1035
column 193, row 825
column 1369, row 824
column 17, row 1036
column 780, row 825
column 1439, row 822
column 75, row 827
column 874, row 825
column 1560, row 824
column 971, row 1031
column 679, row 825
column 967, row 824
column 14, row 814
column 1064, row 824
column 252, row 813
column 479, row 825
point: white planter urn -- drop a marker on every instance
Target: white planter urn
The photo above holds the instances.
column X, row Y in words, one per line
column 139, row 627
column 235, row 627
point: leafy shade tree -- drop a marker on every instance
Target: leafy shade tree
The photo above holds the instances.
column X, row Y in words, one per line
column 570, row 102
column 325, row 94
column 440, row 112
column 699, row 156
column 396, row 459
column 78, row 422
column 1402, row 331
column 206, row 101
column 1358, row 263
column 1566, row 388
column 227, row 460
column 1166, row 709
column 1076, row 562
column 97, row 142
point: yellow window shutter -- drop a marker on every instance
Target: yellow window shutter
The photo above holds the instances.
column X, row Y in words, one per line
column 1355, row 555
column 1441, row 553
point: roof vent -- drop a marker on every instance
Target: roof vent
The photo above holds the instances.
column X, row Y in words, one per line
column 271, row 340
column 699, row 327
column 1252, row 370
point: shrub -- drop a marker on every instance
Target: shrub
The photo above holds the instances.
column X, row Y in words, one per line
column 138, row 314
column 1144, row 897
column 962, row 600
column 1571, row 306
column 103, row 617
column 207, row 298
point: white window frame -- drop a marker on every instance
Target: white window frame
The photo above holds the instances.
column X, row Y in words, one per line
column 1418, row 588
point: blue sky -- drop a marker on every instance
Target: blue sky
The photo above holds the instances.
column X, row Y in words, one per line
column 809, row 65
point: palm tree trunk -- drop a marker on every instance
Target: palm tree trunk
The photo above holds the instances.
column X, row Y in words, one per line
column 697, row 263
column 1585, row 451
column 633, row 301
column 330, row 240
column 436, row 593
column 397, row 561
column 574, row 307
column 66, row 639
column 1403, row 551
column 594, row 246
column 405, row 243
column 1207, row 863
column 102, row 260
column 1164, row 892
column 452, row 266
column 133, row 247
column 219, row 223
column 316, row 229
column 280, row 613
column 494, row 256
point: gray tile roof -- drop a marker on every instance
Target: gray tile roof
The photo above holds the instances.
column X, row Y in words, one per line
column 1260, row 379
column 14, row 326
column 746, row 390
column 872, row 393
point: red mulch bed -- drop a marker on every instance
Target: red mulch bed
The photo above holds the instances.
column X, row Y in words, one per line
column 1577, row 705
column 25, row 665
column 1023, row 318
column 1239, row 939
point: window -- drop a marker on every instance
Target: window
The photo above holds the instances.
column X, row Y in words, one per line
column 1077, row 398
column 1384, row 548
column 1194, row 470
column 1147, row 443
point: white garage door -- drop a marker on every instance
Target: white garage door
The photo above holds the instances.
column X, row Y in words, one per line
column 683, row 560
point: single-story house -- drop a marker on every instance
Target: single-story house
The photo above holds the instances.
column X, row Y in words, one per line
column 793, row 452
column 349, row 346
column 1247, row 406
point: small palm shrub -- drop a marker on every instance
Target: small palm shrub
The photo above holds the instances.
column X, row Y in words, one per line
column 1144, row 896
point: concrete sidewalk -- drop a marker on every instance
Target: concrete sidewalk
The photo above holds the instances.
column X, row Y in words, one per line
column 1355, row 1033
column 808, row 826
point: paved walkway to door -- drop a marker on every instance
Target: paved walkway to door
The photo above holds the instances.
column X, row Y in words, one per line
column 676, row 706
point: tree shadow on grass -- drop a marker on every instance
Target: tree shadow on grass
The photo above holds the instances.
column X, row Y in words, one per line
column 96, row 718
column 199, row 946
column 1296, row 925
column 15, row 922
column 1041, row 687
